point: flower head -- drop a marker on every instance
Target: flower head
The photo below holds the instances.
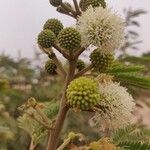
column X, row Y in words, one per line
column 101, row 28
column 116, row 105
column 83, row 93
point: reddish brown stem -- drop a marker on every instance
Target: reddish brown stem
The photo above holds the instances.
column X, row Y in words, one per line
column 54, row 138
column 83, row 71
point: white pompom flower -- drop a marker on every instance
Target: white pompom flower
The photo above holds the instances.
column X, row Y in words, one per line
column 101, row 28
column 116, row 106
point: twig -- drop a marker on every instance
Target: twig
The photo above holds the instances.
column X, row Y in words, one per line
column 84, row 71
column 32, row 145
column 66, row 13
column 61, row 51
column 58, row 64
column 52, row 55
column 63, row 5
column 47, row 126
column 43, row 116
column 77, row 7
column 66, row 142
column 79, row 51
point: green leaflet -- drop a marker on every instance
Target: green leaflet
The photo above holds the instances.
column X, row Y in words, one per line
column 131, row 133
column 125, row 69
column 133, row 80
column 139, row 60
column 129, row 145
column 37, row 131
column 132, row 137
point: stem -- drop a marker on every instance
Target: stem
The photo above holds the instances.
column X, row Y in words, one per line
column 81, row 50
column 46, row 125
column 61, row 51
column 83, row 71
column 68, row 9
column 43, row 116
column 58, row 64
column 77, row 7
column 32, row 145
column 54, row 137
column 66, row 142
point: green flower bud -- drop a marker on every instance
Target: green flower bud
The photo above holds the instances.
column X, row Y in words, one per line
column 101, row 62
column 50, row 67
column 80, row 65
column 69, row 38
column 46, row 38
column 54, row 25
column 83, row 93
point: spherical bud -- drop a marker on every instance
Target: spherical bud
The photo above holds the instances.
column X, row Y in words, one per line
column 84, row 4
column 50, row 67
column 46, row 38
column 101, row 62
column 55, row 3
column 82, row 93
column 69, row 38
column 54, row 25
column 80, row 65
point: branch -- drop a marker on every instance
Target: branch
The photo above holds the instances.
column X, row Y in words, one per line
column 81, row 50
column 57, row 63
column 66, row 13
column 69, row 9
column 32, row 145
column 70, row 137
column 66, row 142
column 83, row 71
column 54, row 137
column 61, row 51
column 42, row 115
column 77, row 7
column 39, row 121
column 52, row 55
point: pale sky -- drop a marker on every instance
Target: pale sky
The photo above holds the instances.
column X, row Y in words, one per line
column 22, row 20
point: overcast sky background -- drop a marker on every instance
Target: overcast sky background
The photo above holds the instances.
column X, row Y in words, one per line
column 22, row 20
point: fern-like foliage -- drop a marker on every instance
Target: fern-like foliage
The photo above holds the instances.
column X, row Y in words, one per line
column 133, row 80
column 34, row 128
column 137, row 60
column 129, row 145
column 129, row 75
column 132, row 137
column 121, row 68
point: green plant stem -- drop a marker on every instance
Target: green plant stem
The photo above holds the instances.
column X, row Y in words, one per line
column 54, row 137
